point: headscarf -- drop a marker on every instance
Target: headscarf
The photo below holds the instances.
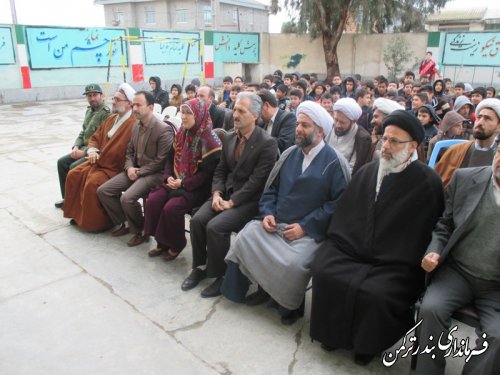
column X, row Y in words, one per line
column 450, row 120
column 317, row 114
column 348, row 107
column 193, row 146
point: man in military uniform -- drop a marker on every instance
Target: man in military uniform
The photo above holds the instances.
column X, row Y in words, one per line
column 97, row 112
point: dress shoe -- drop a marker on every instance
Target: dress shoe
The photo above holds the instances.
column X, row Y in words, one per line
column 213, row 290
column 123, row 230
column 193, row 279
column 363, row 359
column 59, row 204
column 155, row 252
column 171, row 255
column 257, row 298
column 327, row 348
column 137, row 240
column 293, row 316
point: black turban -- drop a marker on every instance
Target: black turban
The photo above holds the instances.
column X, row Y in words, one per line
column 408, row 122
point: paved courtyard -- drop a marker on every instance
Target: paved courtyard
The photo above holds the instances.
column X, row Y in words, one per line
column 78, row 303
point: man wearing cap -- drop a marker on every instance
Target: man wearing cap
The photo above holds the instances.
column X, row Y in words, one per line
column 367, row 274
column 97, row 112
column 276, row 250
column 463, row 260
column 350, row 139
column 106, row 156
column 478, row 152
column 145, row 158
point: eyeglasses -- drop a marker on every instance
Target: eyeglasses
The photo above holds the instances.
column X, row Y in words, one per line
column 115, row 99
column 394, row 141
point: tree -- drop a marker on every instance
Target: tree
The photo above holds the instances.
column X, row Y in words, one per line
column 327, row 19
column 396, row 55
column 289, row 28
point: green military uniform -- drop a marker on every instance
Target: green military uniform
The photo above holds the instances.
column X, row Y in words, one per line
column 93, row 119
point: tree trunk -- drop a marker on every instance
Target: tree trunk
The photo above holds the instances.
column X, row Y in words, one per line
column 331, row 58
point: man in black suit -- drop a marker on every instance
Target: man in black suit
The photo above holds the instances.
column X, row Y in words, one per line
column 247, row 158
column 217, row 113
column 278, row 123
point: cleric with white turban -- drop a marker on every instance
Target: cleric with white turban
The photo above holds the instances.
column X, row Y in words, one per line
column 491, row 103
column 317, row 114
column 386, row 106
column 127, row 90
column 348, row 107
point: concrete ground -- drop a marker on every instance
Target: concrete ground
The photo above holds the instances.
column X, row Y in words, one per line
column 78, row 303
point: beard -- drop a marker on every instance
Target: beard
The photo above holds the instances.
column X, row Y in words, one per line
column 388, row 165
column 303, row 142
column 480, row 134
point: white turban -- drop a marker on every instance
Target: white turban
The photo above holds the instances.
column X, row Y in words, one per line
column 317, row 114
column 127, row 90
column 348, row 107
column 492, row 103
column 386, row 106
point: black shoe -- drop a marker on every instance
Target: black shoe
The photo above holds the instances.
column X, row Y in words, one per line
column 363, row 359
column 327, row 348
column 257, row 298
column 73, row 222
column 213, row 290
column 59, row 204
column 193, row 279
column 294, row 315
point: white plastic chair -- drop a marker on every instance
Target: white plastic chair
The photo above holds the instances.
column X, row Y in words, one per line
column 157, row 108
column 170, row 111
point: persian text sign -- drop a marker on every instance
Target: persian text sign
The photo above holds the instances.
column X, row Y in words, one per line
column 237, row 47
column 53, row 47
column 171, row 48
column 478, row 49
column 6, row 46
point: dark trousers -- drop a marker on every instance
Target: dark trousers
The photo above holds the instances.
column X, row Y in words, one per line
column 449, row 290
column 64, row 164
column 211, row 234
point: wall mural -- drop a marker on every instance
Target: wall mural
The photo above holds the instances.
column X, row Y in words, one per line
column 53, row 47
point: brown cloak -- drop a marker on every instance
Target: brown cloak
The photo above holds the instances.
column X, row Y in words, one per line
column 81, row 202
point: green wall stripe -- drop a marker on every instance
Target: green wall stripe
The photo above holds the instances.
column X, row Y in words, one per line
column 20, row 34
column 433, row 39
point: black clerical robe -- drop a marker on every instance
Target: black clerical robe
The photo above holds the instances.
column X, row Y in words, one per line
column 367, row 274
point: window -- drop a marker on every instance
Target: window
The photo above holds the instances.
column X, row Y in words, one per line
column 235, row 16
column 149, row 15
column 117, row 17
column 181, row 15
column 207, row 14
column 250, row 18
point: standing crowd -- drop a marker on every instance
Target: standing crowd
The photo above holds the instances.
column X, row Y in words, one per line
column 327, row 180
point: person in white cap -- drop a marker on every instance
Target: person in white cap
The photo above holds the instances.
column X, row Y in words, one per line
column 382, row 108
column 351, row 140
column 276, row 249
column 478, row 152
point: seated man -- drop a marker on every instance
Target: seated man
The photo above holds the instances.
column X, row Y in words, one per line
column 144, row 164
column 97, row 112
column 350, row 139
column 367, row 274
column 276, row 251
column 106, row 156
column 476, row 153
column 464, row 258
column 248, row 156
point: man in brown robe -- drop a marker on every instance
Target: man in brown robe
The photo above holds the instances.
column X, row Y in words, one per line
column 106, row 156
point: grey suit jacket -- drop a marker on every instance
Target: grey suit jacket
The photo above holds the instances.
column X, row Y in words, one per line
column 244, row 181
column 159, row 138
column 463, row 195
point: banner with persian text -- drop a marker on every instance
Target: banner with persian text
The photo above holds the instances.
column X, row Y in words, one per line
column 57, row 47
column 162, row 47
column 237, row 47
column 474, row 49
column 6, row 46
